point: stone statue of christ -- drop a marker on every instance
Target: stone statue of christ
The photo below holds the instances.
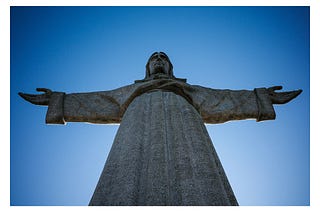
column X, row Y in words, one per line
column 162, row 153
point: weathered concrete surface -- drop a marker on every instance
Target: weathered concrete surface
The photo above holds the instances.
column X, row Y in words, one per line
column 214, row 105
column 162, row 155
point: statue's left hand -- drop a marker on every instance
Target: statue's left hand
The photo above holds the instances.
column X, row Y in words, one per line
column 38, row 99
column 282, row 97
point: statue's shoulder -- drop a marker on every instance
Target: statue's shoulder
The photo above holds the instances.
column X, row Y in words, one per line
column 125, row 89
column 201, row 88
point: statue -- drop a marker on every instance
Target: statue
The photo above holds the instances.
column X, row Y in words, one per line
column 162, row 153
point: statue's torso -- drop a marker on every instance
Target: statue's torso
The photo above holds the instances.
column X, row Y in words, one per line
column 162, row 155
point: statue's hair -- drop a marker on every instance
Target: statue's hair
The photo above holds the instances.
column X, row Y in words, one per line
column 148, row 75
column 170, row 65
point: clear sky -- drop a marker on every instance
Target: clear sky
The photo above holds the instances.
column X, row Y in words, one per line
column 84, row 49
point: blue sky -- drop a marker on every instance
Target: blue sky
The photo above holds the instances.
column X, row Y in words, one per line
column 83, row 49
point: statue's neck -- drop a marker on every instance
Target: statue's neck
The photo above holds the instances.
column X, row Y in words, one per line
column 159, row 76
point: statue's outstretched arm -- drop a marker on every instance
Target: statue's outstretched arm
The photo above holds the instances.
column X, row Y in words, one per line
column 93, row 107
column 282, row 97
column 218, row 106
column 38, row 99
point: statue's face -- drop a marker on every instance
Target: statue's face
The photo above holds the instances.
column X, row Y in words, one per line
column 159, row 63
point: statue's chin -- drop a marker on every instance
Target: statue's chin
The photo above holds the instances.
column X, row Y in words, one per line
column 158, row 70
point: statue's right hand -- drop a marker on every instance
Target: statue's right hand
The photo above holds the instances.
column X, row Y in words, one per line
column 38, row 99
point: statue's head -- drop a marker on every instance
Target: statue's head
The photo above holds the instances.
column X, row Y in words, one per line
column 159, row 64
column 158, row 67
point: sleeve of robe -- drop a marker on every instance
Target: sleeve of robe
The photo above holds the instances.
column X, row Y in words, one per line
column 94, row 107
column 218, row 106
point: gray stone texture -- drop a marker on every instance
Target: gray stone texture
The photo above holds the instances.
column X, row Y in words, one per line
column 162, row 153
column 214, row 105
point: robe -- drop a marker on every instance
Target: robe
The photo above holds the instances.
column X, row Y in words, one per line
column 162, row 153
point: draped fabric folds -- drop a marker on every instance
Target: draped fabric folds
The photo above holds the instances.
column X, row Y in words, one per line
column 162, row 153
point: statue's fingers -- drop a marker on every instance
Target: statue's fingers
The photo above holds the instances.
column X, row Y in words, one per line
column 274, row 88
column 299, row 91
column 285, row 97
column 29, row 97
column 25, row 96
column 294, row 94
column 291, row 93
column 22, row 95
column 46, row 90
